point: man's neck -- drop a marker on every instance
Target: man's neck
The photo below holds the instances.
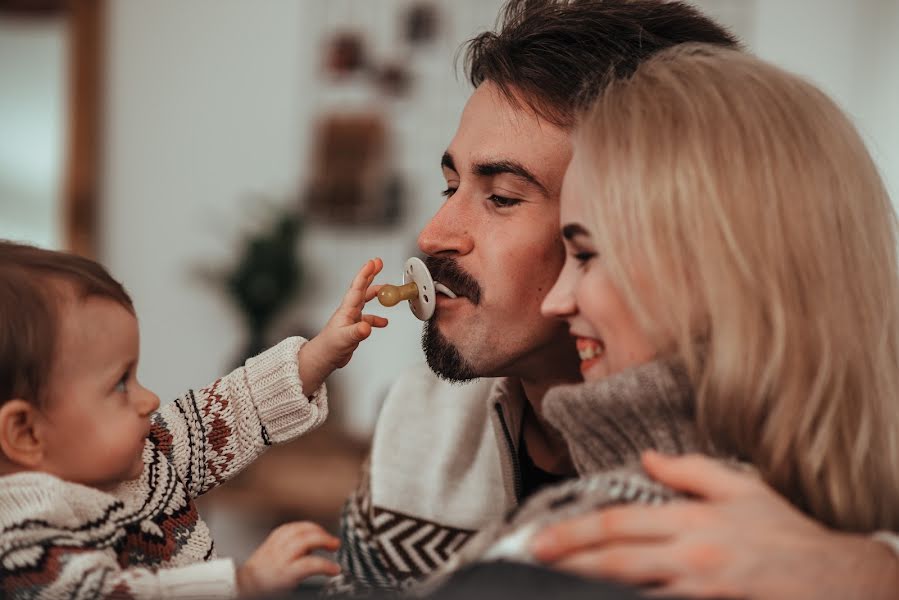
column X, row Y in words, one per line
column 547, row 449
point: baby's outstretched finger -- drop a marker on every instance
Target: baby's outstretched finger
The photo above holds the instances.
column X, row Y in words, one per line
column 367, row 274
column 373, row 291
column 375, row 320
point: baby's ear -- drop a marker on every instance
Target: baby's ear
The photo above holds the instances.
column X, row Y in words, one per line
column 19, row 441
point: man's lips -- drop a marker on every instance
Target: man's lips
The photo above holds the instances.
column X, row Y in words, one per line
column 449, row 274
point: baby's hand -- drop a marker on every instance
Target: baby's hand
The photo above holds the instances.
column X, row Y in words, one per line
column 283, row 560
column 333, row 347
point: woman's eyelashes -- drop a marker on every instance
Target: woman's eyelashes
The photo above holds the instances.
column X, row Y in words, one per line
column 583, row 257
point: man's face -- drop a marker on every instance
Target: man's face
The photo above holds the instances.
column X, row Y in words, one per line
column 496, row 240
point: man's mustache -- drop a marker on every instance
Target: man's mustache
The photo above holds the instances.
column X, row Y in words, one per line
column 448, row 272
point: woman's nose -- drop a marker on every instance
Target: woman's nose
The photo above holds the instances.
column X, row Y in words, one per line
column 559, row 302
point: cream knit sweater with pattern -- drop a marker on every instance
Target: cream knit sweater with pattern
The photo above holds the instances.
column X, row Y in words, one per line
column 145, row 539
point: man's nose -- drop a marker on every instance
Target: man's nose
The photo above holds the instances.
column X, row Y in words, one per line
column 448, row 233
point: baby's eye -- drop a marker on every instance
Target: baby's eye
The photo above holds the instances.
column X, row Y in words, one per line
column 122, row 386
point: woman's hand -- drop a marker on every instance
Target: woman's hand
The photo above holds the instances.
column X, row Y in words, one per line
column 333, row 347
column 738, row 539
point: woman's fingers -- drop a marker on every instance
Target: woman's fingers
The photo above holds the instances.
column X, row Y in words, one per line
column 629, row 564
column 699, row 475
column 633, row 522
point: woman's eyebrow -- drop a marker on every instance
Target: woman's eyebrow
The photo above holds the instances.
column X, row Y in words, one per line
column 572, row 230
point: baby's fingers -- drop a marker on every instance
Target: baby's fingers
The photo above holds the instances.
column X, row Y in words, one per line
column 305, row 543
column 360, row 287
column 367, row 274
column 375, row 320
column 356, row 333
column 373, row 291
column 313, row 565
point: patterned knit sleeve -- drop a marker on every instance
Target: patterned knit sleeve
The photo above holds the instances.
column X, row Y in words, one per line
column 80, row 573
column 362, row 566
column 211, row 434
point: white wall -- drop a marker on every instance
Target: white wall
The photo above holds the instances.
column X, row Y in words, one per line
column 848, row 48
column 210, row 103
column 32, row 128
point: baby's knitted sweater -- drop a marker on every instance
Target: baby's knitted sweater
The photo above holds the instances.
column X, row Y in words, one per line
column 145, row 539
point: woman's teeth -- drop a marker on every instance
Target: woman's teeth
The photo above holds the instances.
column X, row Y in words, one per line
column 588, row 353
column 589, row 349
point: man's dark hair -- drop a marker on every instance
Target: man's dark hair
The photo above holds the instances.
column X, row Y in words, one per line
column 553, row 55
column 34, row 283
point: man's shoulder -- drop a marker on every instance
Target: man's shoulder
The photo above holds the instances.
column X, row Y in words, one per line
column 418, row 396
column 435, row 454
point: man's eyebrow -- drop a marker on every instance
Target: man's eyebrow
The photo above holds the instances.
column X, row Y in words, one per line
column 447, row 162
column 499, row 167
column 573, row 230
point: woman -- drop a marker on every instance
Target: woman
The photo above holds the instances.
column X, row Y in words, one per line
column 735, row 220
column 731, row 279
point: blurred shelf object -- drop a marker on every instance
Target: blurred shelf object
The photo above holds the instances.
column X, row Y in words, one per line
column 422, row 23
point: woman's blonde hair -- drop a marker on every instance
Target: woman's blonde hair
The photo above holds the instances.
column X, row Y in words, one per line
column 739, row 212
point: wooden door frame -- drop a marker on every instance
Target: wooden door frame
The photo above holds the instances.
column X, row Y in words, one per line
column 81, row 191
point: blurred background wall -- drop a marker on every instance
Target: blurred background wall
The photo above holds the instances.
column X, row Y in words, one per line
column 215, row 117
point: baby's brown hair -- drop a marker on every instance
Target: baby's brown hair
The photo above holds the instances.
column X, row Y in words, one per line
column 34, row 283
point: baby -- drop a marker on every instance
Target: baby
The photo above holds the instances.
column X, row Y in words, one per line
column 97, row 483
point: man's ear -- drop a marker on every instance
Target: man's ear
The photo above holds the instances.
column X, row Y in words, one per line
column 19, row 441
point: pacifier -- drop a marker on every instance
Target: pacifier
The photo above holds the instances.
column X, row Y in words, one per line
column 418, row 288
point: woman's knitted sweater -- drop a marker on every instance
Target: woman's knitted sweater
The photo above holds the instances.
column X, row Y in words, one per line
column 607, row 425
column 145, row 539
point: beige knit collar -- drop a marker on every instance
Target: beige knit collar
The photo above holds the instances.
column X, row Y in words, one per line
column 610, row 422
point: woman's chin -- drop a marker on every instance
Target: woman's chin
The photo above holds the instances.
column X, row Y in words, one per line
column 593, row 369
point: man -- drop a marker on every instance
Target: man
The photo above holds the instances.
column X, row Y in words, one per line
column 446, row 460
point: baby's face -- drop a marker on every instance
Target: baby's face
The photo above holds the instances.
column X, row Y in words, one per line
column 97, row 417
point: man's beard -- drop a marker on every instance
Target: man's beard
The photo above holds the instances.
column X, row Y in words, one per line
column 443, row 357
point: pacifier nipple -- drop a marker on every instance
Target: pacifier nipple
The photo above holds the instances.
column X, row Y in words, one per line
column 418, row 288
